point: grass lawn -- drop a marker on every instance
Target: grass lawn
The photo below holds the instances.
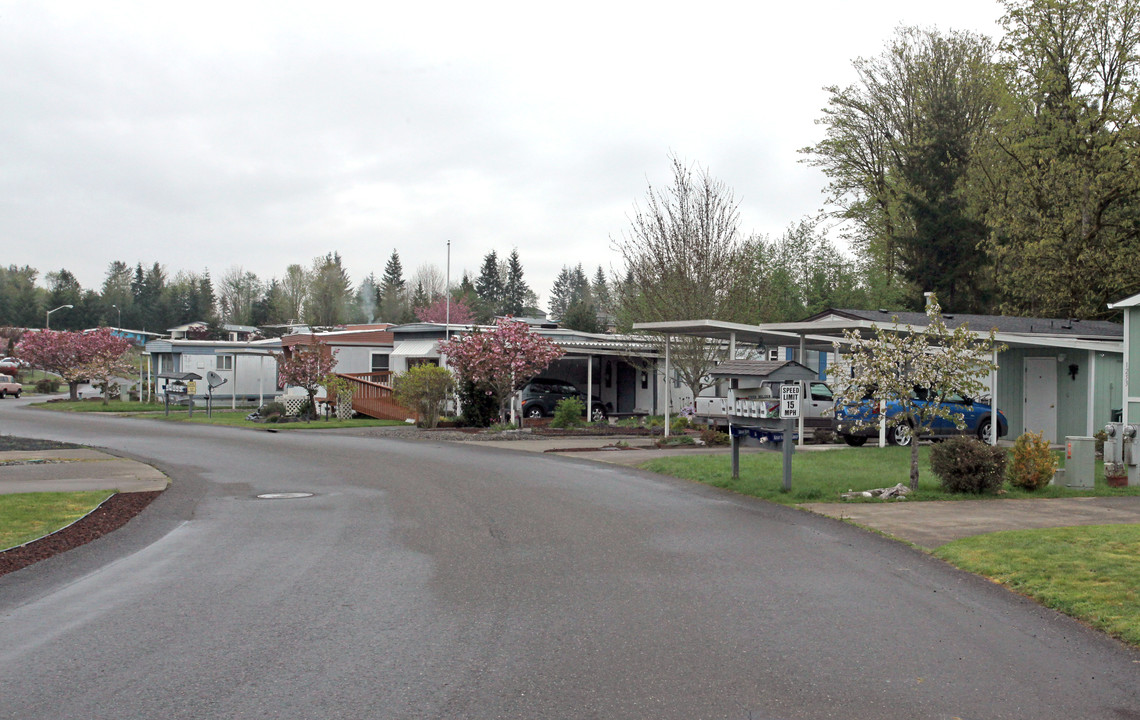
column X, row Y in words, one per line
column 821, row 475
column 28, row 516
column 1091, row 573
column 96, row 405
column 236, row 418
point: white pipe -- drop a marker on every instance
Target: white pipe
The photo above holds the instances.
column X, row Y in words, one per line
column 882, row 423
column 1090, row 429
column 589, row 388
column 668, row 389
column 994, row 424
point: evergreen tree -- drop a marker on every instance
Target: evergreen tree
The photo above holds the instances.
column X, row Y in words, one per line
column 21, row 304
column 330, row 292
column 118, row 302
column 489, row 286
column 64, row 289
column 393, row 292
column 515, row 291
column 601, row 292
column 581, row 316
column 560, row 294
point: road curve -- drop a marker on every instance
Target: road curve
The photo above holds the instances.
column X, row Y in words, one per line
column 436, row 580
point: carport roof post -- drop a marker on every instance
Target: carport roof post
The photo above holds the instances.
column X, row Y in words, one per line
column 1131, row 385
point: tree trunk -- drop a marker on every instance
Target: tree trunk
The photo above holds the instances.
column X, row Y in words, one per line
column 914, row 461
column 73, row 388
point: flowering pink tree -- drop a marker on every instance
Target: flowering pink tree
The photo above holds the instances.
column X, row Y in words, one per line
column 107, row 359
column 75, row 356
column 436, row 312
column 307, row 367
column 502, row 359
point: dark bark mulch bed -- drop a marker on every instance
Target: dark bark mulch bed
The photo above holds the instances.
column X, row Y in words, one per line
column 11, row 442
column 108, row 517
column 599, row 430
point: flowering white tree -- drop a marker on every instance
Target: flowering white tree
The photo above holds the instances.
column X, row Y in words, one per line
column 917, row 369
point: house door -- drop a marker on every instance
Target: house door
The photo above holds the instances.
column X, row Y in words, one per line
column 1040, row 390
column 626, row 387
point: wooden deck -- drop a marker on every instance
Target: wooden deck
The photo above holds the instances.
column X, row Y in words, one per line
column 372, row 395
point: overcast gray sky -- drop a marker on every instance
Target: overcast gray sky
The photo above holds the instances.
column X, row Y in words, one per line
column 214, row 134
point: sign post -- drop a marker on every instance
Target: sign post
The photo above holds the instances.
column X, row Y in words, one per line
column 789, row 411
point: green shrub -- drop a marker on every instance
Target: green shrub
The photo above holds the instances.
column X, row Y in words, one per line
column 1033, row 463
column 823, row 436
column 271, row 408
column 306, row 411
column 568, row 413
column 1100, row 436
column 966, row 465
column 423, row 389
column 712, row 436
column 477, row 404
column 273, row 417
column 677, row 440
column 679, row 424
column 47, row 385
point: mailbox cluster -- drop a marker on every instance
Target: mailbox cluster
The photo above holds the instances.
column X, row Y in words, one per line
column 762, row 401
column 761, row 395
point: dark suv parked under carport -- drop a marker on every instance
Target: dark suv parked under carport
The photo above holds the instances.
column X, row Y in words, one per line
column 541, row 395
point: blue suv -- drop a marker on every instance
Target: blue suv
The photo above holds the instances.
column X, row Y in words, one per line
column 977, row 416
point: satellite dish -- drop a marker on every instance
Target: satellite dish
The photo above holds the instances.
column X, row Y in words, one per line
column 214, row 379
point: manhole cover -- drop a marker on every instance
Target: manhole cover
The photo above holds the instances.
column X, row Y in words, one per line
column 284, row 495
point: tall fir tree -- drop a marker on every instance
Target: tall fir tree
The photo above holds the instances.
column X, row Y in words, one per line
column 489, row 286
column 515, row 290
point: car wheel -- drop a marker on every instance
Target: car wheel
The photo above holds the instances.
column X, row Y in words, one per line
column 855, row 440
column 17, row 396
column 1, row 394
column 901, row 435
column 534, row 411
column 599, row 414
column 985, row 431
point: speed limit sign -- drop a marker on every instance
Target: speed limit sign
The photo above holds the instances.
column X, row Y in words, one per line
column 789, row 401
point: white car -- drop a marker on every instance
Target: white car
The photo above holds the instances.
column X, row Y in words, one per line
column 9, row 386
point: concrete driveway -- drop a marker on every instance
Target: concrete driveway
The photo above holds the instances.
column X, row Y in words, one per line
column 926, row 524
column 23, row 471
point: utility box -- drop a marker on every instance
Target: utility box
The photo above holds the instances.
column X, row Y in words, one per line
column 1080, row 462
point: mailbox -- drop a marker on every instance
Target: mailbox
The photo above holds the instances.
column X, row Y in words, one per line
column 178, row 387
column 753, row 402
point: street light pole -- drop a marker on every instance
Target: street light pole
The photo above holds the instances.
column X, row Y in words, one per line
column 120, row 311
column 47, row 317
column 447, row 292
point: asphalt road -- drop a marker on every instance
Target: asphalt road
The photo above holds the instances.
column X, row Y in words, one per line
column 436, row 580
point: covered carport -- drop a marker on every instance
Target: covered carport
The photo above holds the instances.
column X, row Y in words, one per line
column 1058, row 377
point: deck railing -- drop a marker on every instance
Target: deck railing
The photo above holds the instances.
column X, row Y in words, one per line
column 372, row 395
